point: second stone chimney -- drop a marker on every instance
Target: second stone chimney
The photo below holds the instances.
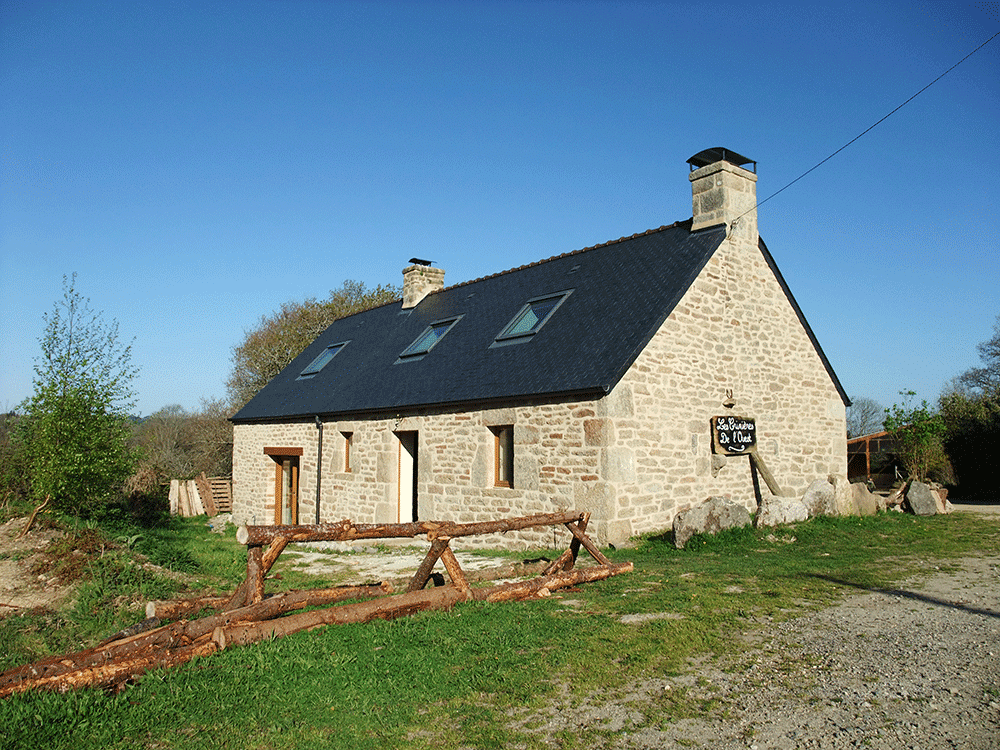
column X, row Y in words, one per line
column 723, row 191
column 419, row 280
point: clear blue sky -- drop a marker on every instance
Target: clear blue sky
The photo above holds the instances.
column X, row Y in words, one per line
column 199, row 163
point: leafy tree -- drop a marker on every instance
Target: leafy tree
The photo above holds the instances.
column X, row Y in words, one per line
column 919, row 434
column 970, row 407
column 973, row 431
column 12, row 482
column 280, row 337
column 75, row 429
column 864, row 416
column 986, row 379
column 178, row 444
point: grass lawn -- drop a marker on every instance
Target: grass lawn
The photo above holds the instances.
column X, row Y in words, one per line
column 452, row 679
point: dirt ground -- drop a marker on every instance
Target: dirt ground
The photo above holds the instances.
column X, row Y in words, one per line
column 20, row 589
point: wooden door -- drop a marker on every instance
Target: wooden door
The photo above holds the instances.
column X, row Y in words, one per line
column 286, row 489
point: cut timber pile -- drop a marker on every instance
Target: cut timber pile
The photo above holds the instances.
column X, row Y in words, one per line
column 249, row 615
column 202, row 495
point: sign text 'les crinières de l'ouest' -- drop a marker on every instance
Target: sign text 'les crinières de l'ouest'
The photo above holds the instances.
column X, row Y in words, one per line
column 733, row 436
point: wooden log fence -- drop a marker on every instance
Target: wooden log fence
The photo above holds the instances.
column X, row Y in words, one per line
column 249, row 614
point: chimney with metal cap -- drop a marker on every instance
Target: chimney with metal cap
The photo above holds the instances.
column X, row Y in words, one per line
column 419, row 280
column 724, row 191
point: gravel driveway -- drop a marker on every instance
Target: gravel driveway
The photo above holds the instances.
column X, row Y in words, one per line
column 917, row 666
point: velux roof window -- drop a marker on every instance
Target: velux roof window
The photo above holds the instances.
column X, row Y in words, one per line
column 427, row 340
column 530, row 318
column 322, row 360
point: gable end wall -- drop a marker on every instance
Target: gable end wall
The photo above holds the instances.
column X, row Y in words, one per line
column 734, row 329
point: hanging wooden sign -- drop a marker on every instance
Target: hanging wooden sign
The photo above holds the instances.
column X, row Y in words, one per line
column 733, row 436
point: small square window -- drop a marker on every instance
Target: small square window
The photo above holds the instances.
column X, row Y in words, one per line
column 503, row 452
column 532, row 317
column 322, row 360
column 431, row 335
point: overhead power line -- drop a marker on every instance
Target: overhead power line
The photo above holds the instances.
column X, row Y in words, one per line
column 871, row 127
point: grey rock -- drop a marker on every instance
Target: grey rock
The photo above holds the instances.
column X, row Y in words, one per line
column 712, row 516
column 868, row 504
column 777, row 511
column 923, row 501
column 844, row 497
column 819, row 499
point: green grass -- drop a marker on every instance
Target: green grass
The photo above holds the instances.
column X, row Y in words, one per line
column 116, row 579
column 456, row 679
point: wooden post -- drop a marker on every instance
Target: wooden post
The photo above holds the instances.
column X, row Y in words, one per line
column 205, row 491
column 757, row 463
column 239, row 597
column 455, row 572
column 588, row 545
column 567, row 559
column 419, row 579
column 255, row 575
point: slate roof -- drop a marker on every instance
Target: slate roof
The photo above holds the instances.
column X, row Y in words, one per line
column 622, row 291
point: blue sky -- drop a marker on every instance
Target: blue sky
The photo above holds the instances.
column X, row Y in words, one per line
column 199, row 163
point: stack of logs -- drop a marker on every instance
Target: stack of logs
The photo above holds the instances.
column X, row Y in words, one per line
column 249, row 615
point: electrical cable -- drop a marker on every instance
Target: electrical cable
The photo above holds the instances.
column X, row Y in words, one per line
column 872, row 127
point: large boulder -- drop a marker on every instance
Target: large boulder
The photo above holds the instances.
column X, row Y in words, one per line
column 867, row 503
column 923, row 501
column 776, row 511
column 712, row 516
column 844, row 497
column 941, row 497
column 819, row 499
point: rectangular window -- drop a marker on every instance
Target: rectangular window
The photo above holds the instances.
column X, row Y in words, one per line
column 530, row 318
column 503, row 442
column 426, row 340
column 322, row 360
column 348, row 444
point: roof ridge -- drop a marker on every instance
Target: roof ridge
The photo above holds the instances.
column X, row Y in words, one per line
column 565, row 255
column 535, row 263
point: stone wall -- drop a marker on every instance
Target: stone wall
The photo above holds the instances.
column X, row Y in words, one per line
column 734, row 331
column 556, row 459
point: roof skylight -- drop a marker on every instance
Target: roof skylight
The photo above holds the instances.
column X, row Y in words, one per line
column 322, row 360
column 431, row 335
column 531, row 317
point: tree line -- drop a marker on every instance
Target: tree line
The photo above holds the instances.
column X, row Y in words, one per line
column 952, row 441
column 75, row 446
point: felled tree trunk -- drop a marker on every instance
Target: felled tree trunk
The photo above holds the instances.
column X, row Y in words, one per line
column 345, row 530
column 401, row 605
column 506, row 592
column 111, row 673
column 178, row 608
column 176, row 637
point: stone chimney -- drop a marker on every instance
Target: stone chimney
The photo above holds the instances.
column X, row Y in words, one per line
column 723, row 191
column 419, row 280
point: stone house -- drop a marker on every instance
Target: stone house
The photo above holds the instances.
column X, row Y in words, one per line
column 587, row 381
